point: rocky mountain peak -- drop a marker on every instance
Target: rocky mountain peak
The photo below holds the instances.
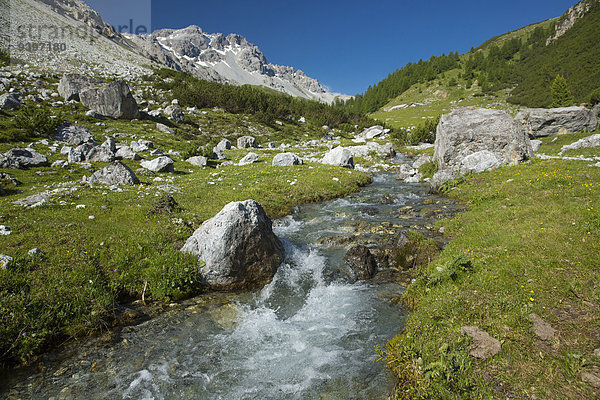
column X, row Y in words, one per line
column 80, row 11
column 230, row 59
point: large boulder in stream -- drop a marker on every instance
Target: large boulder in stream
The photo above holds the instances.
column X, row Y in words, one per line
column 238, row 247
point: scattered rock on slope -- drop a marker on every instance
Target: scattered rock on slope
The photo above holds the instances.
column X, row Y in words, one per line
column 10, row 101
column 249, row 158
column 483, row 346
column 111, row 100
column 238, row 247
column 116, row 173
column 590, row 141
column 175, row 113
column 22, row 159
column 246, row 142
column 339, row 156
column 165, row 129
column 198, row 161
column 223, row 145
column 71, row 84
column 541, row 328
column 73, row 135
column 286, row 160
column 160, row 164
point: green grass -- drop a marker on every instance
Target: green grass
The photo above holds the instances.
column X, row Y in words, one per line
column 522, row 34
column 91, row 266
column 438, row 97
column 529, row 243
column 552, row 145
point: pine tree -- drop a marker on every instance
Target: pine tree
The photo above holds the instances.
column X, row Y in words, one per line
column 560, row 92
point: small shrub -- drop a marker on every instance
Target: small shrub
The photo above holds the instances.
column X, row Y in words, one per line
column 452, row 271
column 4, row 57
column 36, row 122
column 418, row 252
column 595, row 97
column 449, row 185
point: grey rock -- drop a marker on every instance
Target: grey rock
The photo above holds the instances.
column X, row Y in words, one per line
column 219, row 155
column 71, row 84
column 360, row 263
column 115, row 173
column 79, row 153
column 5, row 230
column 145, row 172
column 60, row 164
column 35, row 252
column 406, row 171
column 416, row 178
column 165, row 129
column 246, row 142
column 111, row 100
column 103, row 153
column 483, row 346
column 94, row 114
column 73, row 135
column 536, row 145
column 478, row 162
column 126, row 153
column 249, row 158
column 422, row 160
column 592, row 377
column 372, row 132
column 223, row 145
column 198, row 161
column 5, row 261
column 160, row 164
column 10, row 101
column 175, row 113
column 590, row 141
column 238, row 247
column 141, row 145
column 441, row 177
column 541, row 328
column 22, row 159
column 382, row 150
column 540, row 122
column 286, row 160
column 339, row 156
column 479, row 139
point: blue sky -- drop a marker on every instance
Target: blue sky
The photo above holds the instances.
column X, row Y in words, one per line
column 349, row 45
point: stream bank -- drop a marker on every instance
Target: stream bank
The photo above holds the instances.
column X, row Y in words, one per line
column 288, row 340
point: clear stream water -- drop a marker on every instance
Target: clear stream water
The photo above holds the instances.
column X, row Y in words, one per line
column 308, row 335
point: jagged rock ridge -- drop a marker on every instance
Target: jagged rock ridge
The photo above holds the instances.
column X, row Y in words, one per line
column 231, row 59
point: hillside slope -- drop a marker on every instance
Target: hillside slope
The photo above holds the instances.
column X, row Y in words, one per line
column 92, row 45
column 518, row 66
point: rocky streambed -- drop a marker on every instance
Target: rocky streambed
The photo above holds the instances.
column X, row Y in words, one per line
column 309, row 334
